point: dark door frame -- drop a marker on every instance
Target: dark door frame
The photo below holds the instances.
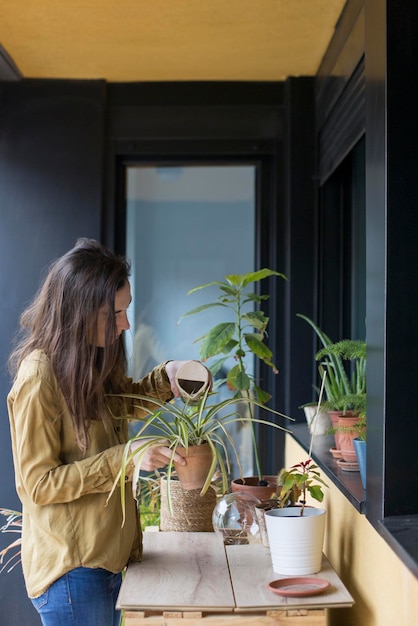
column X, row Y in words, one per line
column 267, row 234
column 271, row 124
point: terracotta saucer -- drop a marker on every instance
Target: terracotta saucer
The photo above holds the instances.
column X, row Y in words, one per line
column 335, row 453
column 347, row 466
column 302, row 586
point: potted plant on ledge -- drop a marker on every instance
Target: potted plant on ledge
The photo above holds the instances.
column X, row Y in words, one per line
column 350, row 408
column 242, row 334
column 359, row 442
column 345, row 393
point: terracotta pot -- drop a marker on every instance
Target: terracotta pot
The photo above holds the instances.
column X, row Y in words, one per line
column 249, row 484
column 348, row 452
column 333, row 416
column 198, row 461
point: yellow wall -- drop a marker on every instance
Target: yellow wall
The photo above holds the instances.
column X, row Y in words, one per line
column 384, row 590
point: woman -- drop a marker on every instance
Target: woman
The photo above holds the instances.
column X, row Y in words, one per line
column 69, row 372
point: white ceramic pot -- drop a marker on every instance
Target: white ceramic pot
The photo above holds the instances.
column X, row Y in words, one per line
column 296, row 541
column 319, row 423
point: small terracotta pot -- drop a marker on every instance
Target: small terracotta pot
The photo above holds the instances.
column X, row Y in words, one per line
column 198, row 461
column 348, row 452
column 333, row 416
column 249, row 484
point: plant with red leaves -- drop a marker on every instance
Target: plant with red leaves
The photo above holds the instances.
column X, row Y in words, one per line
column 297, row 481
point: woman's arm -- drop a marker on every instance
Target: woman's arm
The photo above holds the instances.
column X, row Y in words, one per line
column 42, row 438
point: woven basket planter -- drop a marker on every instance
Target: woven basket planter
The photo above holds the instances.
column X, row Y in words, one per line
column 191, row 512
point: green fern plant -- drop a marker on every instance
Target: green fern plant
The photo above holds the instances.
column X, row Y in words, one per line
column 355, row 351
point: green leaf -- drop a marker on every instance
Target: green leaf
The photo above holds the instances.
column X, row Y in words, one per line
column 316, row 492
column 200, row 308
column 300, row 479
column 235, row 279
column 255, row 297
column 289, row 482
column 255, row 343
column 256, row 319
column 211, row 284
column 253, row 277
column 261, row 395
column 217, row 366
column 216, row 339
column 231, row 345
column 230, row 291
column 238, row 379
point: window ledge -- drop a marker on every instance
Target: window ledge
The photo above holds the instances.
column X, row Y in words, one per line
column 349, row 483
column 401, row 533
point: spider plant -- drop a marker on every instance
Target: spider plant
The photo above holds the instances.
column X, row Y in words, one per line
column 149, row 499
column 182, row 425
column 13, row 525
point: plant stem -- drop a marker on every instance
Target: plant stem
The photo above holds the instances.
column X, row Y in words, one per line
column 247, row 392
column 255, row 448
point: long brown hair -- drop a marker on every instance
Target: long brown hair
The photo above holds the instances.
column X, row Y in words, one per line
column 62, row 322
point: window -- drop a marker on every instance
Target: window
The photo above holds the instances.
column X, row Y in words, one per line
column 342, row 250
column 186, row 225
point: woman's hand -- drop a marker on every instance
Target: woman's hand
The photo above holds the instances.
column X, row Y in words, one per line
column 155, row 457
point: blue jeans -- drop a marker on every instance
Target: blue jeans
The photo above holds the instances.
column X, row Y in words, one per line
column 83, row 597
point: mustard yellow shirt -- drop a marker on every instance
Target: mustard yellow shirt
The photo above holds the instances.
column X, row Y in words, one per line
column 66, row 521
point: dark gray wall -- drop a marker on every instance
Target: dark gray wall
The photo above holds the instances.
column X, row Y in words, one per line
column 392, row 258
column 51, row 152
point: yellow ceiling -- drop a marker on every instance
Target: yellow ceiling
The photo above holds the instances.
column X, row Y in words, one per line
column 161, row 40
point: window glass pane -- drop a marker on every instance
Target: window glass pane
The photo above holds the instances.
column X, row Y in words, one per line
column 186, row 226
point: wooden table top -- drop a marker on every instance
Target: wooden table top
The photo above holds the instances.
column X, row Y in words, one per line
column 183, row 571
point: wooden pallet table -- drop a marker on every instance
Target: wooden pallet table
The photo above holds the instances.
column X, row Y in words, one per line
column 192, row 579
